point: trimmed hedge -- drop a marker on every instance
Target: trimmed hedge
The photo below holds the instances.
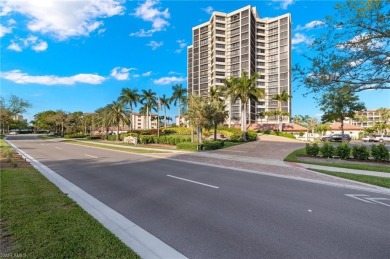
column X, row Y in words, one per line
column 343, row 151
column 360, row 152
column 169, row 140
column 74, row 135
column 212, row 145
column 380, row 153
column 189, row 146
column 312, row 150
column 327, row 150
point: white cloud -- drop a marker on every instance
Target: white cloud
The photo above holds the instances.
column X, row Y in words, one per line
column 31, row 41
column 310, row 25
column 154, row 44
column 301, row 38
column 182, row 45
column 15, row 47
column 147, row 73
column 120, row 73
column 148, row 12
column 64, row 19
column 208, row 9
column 41, row 46
column 142, row 33
column 174, row 73
column 169, row 80
column 19, row 77
column 284, row 3
column 4, row 30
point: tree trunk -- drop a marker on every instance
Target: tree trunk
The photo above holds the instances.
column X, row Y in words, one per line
column 243, row 119
column 215, row 131
column 179, row 113
column 165, row 116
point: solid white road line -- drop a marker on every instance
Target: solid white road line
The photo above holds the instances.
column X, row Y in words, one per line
column 58, row 148
column 90, row 156
column 208, row 185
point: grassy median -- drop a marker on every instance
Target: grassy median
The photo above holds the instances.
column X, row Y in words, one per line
column 374, row 180
column 294, row 157
column 37, row 220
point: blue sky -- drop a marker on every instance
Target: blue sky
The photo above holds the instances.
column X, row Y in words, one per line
column 78, row 55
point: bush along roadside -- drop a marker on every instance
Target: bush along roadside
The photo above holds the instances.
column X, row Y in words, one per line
column 378, row 153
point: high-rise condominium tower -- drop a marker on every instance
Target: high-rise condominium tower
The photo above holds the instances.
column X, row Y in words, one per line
column 231, row 43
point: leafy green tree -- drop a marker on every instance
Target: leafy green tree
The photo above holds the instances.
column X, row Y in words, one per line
column 165, row 102
column 354, row 49
column 45, row 120
column 11, row 107
column 322, row 128
column 149, row 99
column 244, row 89
column 129, row 97
column 179, row 97
column 199, row 113
column 339, row 104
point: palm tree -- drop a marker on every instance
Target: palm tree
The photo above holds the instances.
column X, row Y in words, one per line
column 169, row 119
column 164, row 101
column 148, row 99
column 244, row 89
column 228, row 90
column 179, row 97
column 130, row 97
column 118, row 114
column 282, row 97
column 103, row 118
column 219, row 116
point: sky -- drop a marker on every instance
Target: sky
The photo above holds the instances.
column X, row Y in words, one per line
column 78, row 55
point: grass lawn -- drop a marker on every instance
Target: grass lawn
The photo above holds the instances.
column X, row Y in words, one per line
column 294, row 157
column 38, row 220
column 119, row 148
column 374, row 180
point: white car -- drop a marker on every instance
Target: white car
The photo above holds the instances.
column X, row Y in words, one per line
column 381, row 138
column 13, row 133
column 368, row 138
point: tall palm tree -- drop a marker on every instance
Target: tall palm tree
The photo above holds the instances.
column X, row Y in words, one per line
column 129, row 97
column 244, row 89
column 179, row 97
column 165, row 102
column 282, row 97
column 149, row 100
column 199, row 113
column 118, row 114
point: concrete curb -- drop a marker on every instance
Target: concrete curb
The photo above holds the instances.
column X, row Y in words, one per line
column 142, row 242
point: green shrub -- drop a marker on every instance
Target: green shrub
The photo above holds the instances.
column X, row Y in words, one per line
column 360, row 152
column 74, row 135
column 267, row 132
column 112, row 137
column 189, row 146
column 282, row 134
column 177, row 130
column 312, row 150
column 327, row 150
column 343, row 151
column 380, row 152
column 251, row 135
column 212, row 145
column 93, row 137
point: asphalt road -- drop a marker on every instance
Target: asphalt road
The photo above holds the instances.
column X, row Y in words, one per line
column 224, row 213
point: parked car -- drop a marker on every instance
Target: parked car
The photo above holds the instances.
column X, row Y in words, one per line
column 337, row 138
column 368, row 138
column 13, row 133
column 381, row 138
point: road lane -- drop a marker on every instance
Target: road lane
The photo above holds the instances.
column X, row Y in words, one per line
column 248, row 216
